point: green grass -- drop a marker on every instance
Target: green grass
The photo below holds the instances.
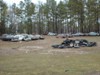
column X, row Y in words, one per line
column 38, row 64
column 52, row 64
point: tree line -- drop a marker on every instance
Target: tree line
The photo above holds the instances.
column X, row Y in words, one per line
column 67, row 16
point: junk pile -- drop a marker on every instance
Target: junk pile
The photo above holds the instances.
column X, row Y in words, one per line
column 69, row 43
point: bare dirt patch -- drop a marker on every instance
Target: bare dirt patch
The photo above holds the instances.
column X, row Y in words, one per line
column 28, row 49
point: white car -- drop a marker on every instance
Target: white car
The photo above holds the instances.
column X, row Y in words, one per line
column 18, row 38
column 26, row 38
column 52, row 34
column 38, row 36
column 78, row 34
column 7, row 37
column 31, row 36
column 93, row 34
column 61, row 36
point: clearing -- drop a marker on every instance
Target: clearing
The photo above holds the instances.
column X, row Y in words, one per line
column 39, row 58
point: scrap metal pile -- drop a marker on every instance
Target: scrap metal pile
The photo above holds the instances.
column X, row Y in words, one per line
column 70, row 43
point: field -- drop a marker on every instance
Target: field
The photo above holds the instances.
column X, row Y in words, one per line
column 39, row 58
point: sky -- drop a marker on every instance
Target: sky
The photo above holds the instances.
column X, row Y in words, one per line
column 10, row 2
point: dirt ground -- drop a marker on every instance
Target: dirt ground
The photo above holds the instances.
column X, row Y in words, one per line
column 42, row 47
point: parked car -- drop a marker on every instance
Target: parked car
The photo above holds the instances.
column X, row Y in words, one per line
column 93, row 34
column 78, row 34
column 18, row 37
column 61, row 36
column 69, row 35
column 39, row 36
column 52, row 34
column 26, row 37
column 32, row 37
column 7, row 37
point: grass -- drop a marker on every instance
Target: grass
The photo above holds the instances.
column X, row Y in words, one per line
column 52, row 64
column 38, row 64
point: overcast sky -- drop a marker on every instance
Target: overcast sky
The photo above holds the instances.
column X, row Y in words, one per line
column 10, row 2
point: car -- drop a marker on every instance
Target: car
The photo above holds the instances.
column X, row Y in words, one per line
column 35, row 36
column 7, row 37
column 69, row 35
column 31, row 36
column 61, row 36
column 52, row 34
column 78, row 34
column 94, row 34
column 26, row 37
column 39, row 36
column 18, row 37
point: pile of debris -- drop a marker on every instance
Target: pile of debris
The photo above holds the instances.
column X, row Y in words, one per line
column 69, row 43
